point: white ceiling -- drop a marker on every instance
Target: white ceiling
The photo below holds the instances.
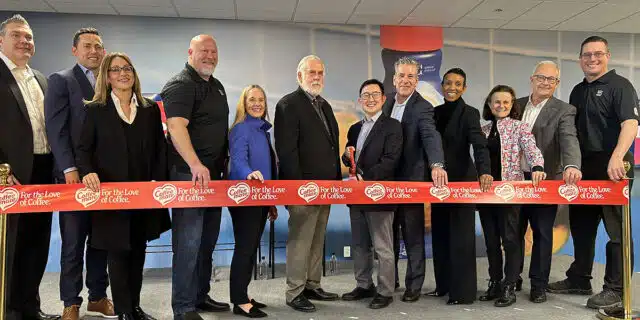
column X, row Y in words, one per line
column 567, row 15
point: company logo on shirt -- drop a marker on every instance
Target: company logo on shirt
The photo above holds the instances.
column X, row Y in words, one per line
column 599, row 93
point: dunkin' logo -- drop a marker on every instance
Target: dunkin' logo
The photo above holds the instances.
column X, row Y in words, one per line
column 505, row 191
column 375, row 192
column 239, row 192
column 309, row 191
column 165, row 194
column 440, row 192
column 569, row 192
column 87, row 197
column 8, row 198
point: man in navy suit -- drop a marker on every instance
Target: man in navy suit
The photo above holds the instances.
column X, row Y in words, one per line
column 65, row 112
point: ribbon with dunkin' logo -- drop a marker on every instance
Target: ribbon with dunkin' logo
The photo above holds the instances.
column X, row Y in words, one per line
column 147, row 195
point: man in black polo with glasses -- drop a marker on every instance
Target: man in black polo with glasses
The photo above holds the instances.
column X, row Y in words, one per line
column 607, row 124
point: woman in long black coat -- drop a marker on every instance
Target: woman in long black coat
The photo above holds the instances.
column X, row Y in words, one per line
column 123, row 140
column 453, row 225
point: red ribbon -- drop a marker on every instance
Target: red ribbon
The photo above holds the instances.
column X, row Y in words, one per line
column 144, row 195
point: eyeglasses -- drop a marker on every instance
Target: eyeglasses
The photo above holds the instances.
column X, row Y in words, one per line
column 375, row 95
column 541, row 78
column 127, row 69
column 597, row 55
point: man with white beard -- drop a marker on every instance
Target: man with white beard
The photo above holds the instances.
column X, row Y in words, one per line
column 306, row 141
column 197, row 120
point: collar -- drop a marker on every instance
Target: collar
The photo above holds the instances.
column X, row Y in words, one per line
column 373, row 119
column 116, row 100
column 395, row 99
column 539, row 105
column 84, row 69
column 604, row 79
column 194, row 74
column 10, row 63
column 257, row 123
column 311, row 97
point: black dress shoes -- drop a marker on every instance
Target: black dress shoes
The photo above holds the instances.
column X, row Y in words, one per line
column 493, row 292
column 42, row 316
column 508, row 296
column 301, row 303
column 435, row 293
column 537, row 296
column 380, row 301
column 139, row 314
column 254, row 312
column 126, row 316
column 210, row 305
column 258, row 304
column 411, row 295
column 359, row 293
column 319, row 294
column 191, row 315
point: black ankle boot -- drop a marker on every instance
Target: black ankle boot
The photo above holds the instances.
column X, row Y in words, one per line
column 508, row 296
column 493, row 291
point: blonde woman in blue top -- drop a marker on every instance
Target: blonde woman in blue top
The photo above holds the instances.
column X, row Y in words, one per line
column 252, row 158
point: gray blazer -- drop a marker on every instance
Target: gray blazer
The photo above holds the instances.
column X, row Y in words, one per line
column 556, row 137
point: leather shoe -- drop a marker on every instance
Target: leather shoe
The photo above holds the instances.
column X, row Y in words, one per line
column 191, row 315
column 435, row 293
column 537, row 296
column 380, row 302
column 360, row 293
column 411, row 296
column 126, row 316
column 301, row 303
column 258, row 304
column 319, row 294
column 210, row 305
column 42, row 316
column 139, row 314
column 254, row 312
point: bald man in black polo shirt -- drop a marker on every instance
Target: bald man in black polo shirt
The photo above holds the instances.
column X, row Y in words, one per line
column 607, row 123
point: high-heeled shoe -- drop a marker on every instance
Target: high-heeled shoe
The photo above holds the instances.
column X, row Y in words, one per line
column 254, row 312
column 258, row 304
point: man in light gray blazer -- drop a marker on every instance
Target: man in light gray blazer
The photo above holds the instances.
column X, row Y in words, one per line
column 552, row 122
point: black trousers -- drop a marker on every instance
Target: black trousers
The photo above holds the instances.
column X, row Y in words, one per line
column 541, row 217
column 454, row 251
column 30, row 252
column 248, row 225
column 501, row 230
column 409, row 221
column 584, row 221
column 126, row 268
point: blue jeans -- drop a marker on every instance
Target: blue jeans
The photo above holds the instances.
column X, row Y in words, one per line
column 194, row 236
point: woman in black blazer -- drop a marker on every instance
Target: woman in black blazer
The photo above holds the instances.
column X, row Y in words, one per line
column 123, row 140
column 453, row 225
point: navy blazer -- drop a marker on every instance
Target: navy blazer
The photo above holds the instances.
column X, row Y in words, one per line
column 422, row 144
column 250, row 149
column 65, row 113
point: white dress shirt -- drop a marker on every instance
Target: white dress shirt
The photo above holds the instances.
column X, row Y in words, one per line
column 398, row 108
column 133, row 105
column 34, row 100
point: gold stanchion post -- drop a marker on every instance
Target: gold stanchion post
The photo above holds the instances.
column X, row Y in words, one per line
column 5, row 172
column 624, row 312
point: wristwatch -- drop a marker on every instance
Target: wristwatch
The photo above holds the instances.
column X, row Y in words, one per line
column 437, row 165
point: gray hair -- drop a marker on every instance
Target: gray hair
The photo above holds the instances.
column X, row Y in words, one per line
column 16, row 18
column 406, row 60
column 546, row 62
column 302, row 65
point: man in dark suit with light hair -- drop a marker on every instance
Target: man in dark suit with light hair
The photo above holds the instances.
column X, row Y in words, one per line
column 422, row 160
column 552, row 123
column 306, row 141
column 64, row 115
column 24, row 146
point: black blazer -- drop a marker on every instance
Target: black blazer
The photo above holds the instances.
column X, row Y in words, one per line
column 463, row 131
column 422, row 144
column 102, row 149
column 380, row 154
column 304, row 148
column 16, row 135
column 65, row 113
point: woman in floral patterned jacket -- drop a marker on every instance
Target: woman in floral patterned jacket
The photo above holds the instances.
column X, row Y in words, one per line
column 511, row 146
